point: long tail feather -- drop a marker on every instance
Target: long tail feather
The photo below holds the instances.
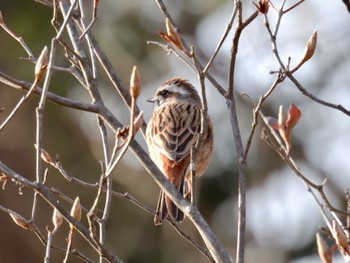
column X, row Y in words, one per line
column 167, row 207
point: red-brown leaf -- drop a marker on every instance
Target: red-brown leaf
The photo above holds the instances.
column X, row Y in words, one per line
column 294, row 115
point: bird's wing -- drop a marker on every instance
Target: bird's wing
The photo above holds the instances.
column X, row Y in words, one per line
column 175, row 129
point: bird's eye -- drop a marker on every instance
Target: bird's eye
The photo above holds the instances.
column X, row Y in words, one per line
column 163, row 93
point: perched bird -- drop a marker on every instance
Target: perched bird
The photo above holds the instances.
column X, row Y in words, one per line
column 173, row 130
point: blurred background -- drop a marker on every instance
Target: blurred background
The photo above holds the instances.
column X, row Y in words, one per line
column 282, row 218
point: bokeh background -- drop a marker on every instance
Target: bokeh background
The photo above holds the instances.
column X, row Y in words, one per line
column 282, row 219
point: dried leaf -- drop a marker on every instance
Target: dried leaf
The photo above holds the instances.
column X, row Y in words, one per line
column 135, row 83
column 20, row 221
column 294, row 115
column 323, row 249
column 41, row 65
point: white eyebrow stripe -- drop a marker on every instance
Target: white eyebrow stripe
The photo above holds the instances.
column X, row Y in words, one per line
column 177, row 89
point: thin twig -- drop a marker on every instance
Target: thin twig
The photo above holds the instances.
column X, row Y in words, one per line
column 223, row 38
column 46, row 194
column 242, row 170
column 41, row 238
column 19, row 104
column 310, row 186
column 188, row 238
column 48, row 246
column 281, row 150
column 17, row 38
column 92, row 213
column 347, row 4
column 66, row 102
column 256, row 112
column 163, row 8
column 285, row 70
column 293, row 6
column 171, row 50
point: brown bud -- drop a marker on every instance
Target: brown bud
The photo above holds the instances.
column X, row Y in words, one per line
column 172, row 36
column 20, row 221
column 122, row 133
column 75, row 212
column 169, row 28
column 57, row 220
column 135, row 83
column 262, row 6
column 309, row 51
column 310, row 47
column 323, row 250
column 41, row 65
column 46, row 156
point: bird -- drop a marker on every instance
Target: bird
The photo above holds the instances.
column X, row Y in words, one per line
column 174, row 128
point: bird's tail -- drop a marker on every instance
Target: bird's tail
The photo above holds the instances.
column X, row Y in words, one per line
column 167, row 207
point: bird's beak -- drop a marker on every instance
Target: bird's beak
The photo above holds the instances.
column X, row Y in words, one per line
column 152, row 99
